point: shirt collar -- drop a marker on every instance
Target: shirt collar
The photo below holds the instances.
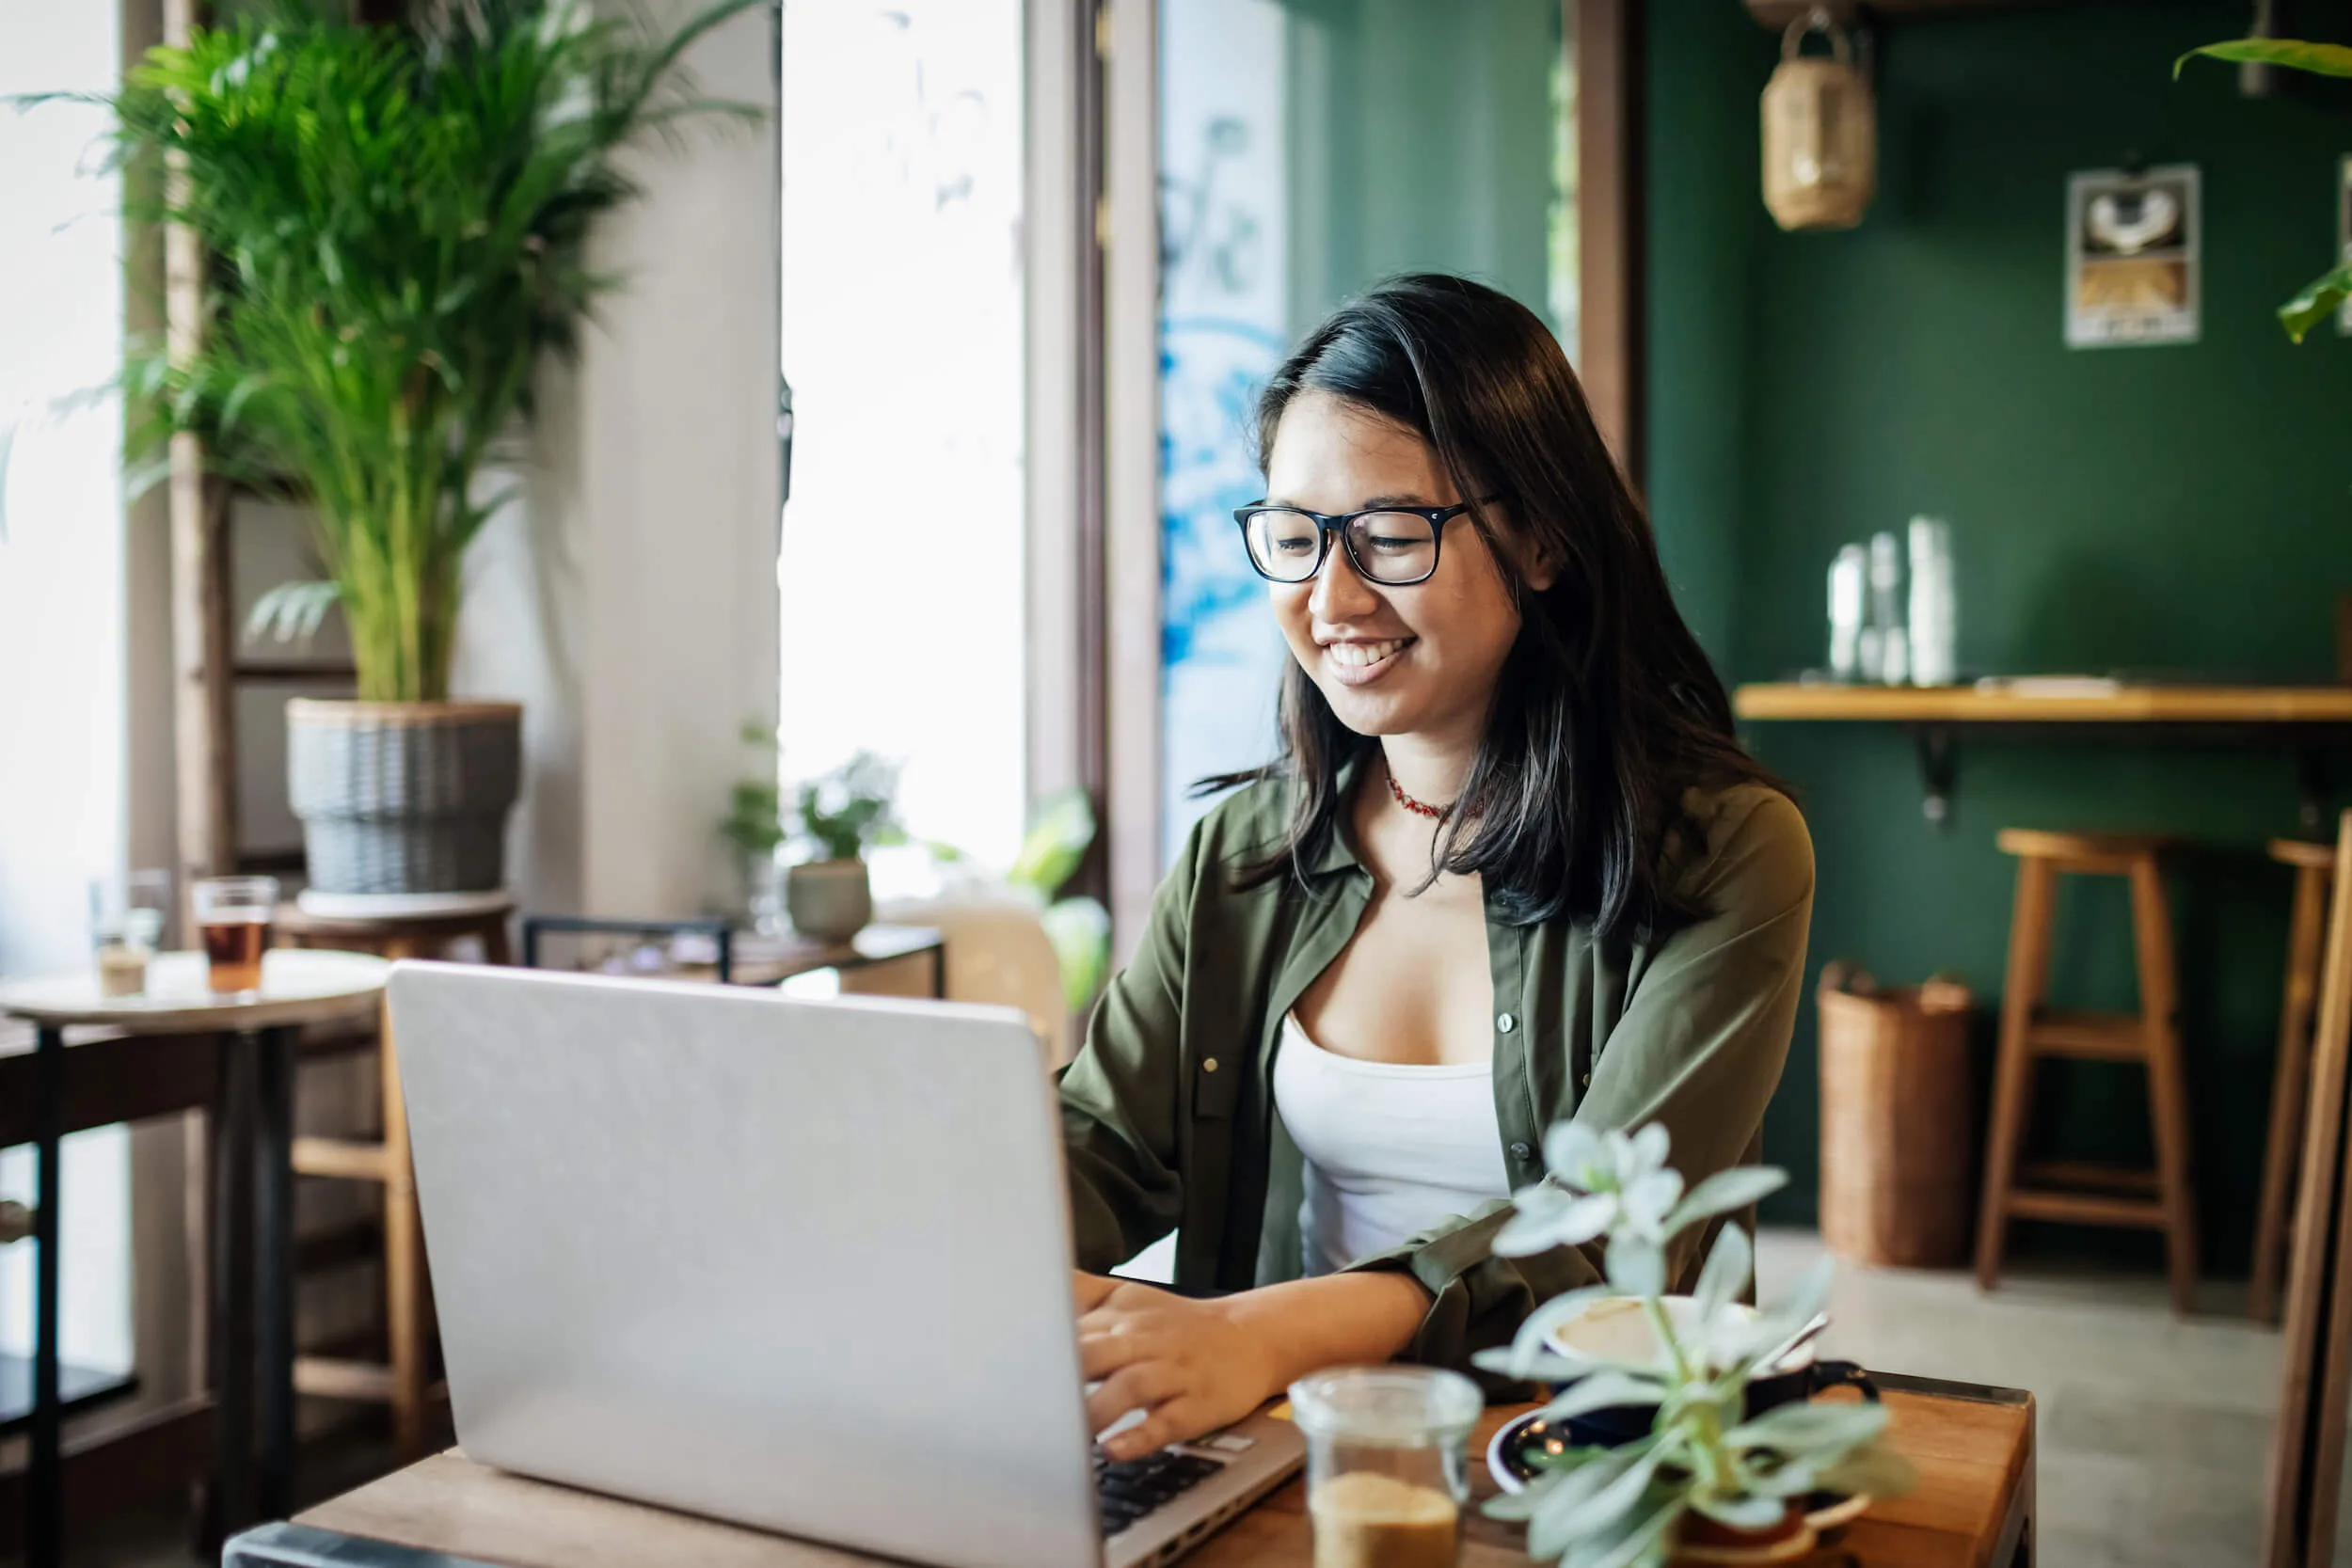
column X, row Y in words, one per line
column 1338, row 853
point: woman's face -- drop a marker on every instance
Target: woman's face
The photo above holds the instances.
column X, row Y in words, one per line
column 1420, row 660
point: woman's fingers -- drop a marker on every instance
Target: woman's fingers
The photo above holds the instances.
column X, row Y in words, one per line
column 1103, row 1351
column 1175, row 1420
column 1142, row 1385
column 1092, row 1291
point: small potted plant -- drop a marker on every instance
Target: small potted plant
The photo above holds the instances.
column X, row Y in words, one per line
column 828, row 895
column 754, row 830
column 1716, row 1477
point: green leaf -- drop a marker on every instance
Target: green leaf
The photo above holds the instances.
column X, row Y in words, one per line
column 1725, row 1273
column 1637, row 1265
column 1561, row 1495
column 1643, row 1543
column 1810, row 1429
column 2316, row 303
column 1058, row 838
column 291, row 611
column 1605, row 1389
column 1533, row 1342
column 1725, row 1191
column 1741, row 1513
column 2321, row 59
column 1080, row 930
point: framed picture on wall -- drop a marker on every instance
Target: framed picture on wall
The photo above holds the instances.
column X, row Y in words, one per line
column 2132, row 256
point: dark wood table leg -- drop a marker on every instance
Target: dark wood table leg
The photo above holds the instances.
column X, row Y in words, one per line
column 272, row 1185
column 235, row 1113
column 45, row 1508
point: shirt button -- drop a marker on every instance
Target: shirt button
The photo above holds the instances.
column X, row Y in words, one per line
column 1209, row 1066
column 1506, row 1023
column 1521, row 1151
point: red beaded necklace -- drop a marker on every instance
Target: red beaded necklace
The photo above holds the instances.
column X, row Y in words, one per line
column 1419, row 808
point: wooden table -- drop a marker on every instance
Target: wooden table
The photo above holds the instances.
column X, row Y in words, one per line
column 1973, row 1508
column 2307, row 720
column 253, row 1198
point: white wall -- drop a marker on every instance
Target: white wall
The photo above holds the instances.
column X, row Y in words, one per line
column 63, row 705
column 630, row 600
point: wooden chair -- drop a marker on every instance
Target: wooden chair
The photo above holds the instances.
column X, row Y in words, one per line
column 402, row 1382
column 2072, row 1191
column 2314, row 865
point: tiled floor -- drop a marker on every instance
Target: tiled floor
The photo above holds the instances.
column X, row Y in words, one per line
column 2155, row 1431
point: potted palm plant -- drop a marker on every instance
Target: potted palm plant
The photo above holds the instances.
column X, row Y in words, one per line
column 397, row 218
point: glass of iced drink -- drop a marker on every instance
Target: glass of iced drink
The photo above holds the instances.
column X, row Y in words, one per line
column 1387, row 1464
column 233, row 915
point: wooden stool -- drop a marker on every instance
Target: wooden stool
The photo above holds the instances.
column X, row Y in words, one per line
column 2315, row 867
column 2074, row 1192
column 407, row 1305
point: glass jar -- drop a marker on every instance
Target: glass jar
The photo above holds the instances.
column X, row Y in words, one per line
column 1387, row 1464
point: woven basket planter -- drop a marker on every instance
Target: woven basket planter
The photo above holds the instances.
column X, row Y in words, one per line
column 1897, row 1128
column 404, row 798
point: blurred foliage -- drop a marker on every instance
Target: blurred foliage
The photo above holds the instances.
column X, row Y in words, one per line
column 2320, row 297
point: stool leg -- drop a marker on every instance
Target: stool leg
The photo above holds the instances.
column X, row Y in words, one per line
column 2028, row 973
column 2288, row 1084
column 2167, row 1095
column 495, row 946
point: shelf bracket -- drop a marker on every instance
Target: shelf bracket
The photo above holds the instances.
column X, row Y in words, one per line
column 1939, row 767
column 2313, row 785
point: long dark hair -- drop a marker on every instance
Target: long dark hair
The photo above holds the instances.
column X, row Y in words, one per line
column 1606, row 710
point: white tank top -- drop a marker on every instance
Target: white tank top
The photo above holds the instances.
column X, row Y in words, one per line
column 1393, row 1150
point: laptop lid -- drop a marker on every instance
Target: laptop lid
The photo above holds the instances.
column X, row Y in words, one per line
column 803, row 1265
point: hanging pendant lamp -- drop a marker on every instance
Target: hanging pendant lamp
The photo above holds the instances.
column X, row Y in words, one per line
column 1821, row 131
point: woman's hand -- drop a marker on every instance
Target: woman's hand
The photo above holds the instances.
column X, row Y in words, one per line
column 1195, row 1366
column 1187, row 1364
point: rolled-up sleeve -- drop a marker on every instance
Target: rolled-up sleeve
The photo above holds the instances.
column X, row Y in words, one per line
column 1698, row 1048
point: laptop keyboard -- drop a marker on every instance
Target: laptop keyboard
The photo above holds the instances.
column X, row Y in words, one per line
column 1127, row 1489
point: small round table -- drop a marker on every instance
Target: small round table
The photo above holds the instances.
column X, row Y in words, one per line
column 251, row 1285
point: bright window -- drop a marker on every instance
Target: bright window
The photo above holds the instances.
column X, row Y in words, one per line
column 902, row 567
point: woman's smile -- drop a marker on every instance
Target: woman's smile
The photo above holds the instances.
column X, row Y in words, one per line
column 1361, row 661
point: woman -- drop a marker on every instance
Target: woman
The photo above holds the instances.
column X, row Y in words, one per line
column 1511, row 868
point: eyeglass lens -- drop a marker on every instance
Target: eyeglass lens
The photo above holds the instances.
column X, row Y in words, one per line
column 1386, row 546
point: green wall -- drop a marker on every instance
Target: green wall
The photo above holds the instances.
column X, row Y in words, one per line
column 2179, row 508
column 1418, row 137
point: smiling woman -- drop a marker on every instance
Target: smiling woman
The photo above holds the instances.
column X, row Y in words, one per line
column 1510, row 868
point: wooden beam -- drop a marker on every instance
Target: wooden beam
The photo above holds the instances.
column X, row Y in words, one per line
column 204, row 704
column 1612, row 219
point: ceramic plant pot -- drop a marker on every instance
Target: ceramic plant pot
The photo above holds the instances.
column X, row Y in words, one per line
column 404, row 798
column 829, row 901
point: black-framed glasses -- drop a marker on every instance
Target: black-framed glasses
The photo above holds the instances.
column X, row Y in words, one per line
column 1395, row 546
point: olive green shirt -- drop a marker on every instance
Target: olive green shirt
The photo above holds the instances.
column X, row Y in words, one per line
column 1168, row 1117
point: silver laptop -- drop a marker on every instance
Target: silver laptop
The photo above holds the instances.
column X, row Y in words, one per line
column 802, row 1265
